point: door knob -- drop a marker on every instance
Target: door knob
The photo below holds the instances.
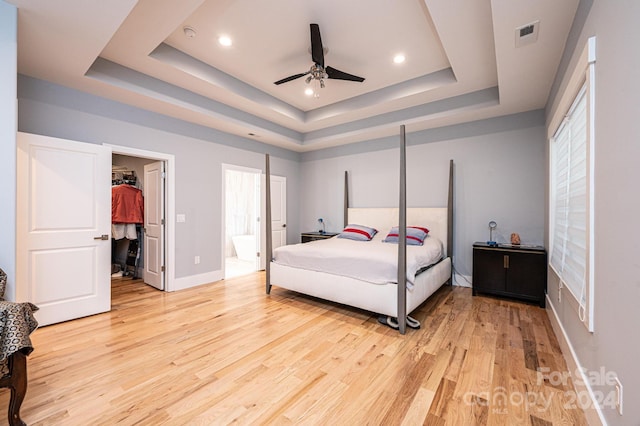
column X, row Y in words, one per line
column 102, row 237
column 284, row 225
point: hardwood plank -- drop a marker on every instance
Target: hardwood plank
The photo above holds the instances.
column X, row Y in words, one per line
column 227, row 353
column 475, row 376
column 457, row 359
column 409, row 389
column 516, row 412
column 498, row 411
column 443, row 398
column 432, row 420
column 417, row 411
column 537, row 421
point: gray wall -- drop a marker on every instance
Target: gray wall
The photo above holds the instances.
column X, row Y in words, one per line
column 53, row 110
column 614, row 346
column 499, row 175
column 499, row 170
column 8, row 59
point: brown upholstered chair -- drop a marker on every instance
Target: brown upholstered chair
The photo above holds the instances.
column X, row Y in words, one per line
column 16, row 324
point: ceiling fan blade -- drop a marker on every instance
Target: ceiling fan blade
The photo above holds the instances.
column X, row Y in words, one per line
column 292, row 77
column 317, row 52
column 341, row 75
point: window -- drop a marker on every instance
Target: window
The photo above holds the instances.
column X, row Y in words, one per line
column 569, row 180
column 571, row 192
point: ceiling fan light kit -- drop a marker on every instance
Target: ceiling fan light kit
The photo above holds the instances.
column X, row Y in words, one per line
column 318, row 72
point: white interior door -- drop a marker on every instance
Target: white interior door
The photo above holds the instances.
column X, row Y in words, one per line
column 154, row 224
column 258, row 225
column 278, row 215
column 279, row 210
column 63, row 227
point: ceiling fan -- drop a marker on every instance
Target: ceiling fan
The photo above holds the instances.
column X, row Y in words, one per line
column 318, row 72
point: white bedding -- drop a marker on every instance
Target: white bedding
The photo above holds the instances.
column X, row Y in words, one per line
column 372, row 261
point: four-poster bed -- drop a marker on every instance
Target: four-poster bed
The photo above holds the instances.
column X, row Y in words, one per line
column 394, row 296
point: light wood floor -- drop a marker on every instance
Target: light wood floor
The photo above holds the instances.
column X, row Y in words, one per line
column 227, row 353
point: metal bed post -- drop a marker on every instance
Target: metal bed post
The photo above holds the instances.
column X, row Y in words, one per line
column 346, row 199
column 450, row 220
column 269, row 236
column 402, row 237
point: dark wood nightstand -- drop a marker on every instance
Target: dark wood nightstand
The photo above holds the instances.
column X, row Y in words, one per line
column 305, row 237
column 517, row 271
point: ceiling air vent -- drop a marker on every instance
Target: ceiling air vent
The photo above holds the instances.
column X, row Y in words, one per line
column 527, row 34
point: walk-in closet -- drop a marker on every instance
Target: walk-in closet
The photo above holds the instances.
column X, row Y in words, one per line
column 128, row 214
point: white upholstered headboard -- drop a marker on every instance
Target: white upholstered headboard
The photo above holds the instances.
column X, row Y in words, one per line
column 383, row 219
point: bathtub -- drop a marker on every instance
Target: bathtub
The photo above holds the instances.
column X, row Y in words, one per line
column 245, row 246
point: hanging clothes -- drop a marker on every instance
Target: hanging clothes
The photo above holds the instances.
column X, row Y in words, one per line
column 127, row 216
column 124, row 230
column 127, row 204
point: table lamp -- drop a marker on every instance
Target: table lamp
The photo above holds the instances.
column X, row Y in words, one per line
column 492, row 225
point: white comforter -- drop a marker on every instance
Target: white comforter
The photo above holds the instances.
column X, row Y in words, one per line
column 372, row 261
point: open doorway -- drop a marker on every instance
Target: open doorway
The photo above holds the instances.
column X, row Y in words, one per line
column 157, row 170
column 138, row 239
column 241, row 188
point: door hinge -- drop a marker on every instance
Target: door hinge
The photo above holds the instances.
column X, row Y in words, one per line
column 161, row 221
column 162, row 268
column 164, row 175
column 258, row 254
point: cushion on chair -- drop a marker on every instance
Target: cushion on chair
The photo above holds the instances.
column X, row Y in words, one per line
column 16, row 324
column 3, row 283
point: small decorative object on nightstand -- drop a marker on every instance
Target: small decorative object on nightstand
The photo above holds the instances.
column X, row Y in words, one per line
column 492, row 225
column 305, row 237
column 321, row 222
column 518, row 271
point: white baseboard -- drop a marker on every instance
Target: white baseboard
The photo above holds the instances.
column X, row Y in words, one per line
column 195, row 280
column 593, row 413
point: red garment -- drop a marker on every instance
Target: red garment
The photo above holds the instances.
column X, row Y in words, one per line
column 127, row 204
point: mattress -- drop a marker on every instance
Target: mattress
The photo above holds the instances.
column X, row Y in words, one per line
column 372, row 261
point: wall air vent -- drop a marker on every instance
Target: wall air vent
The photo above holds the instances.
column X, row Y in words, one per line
column 527, row 34
column 525, row 31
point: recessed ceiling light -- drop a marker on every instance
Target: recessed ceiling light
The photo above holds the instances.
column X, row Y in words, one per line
column 224, row 40
column 308, row 91
column 399, row 58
